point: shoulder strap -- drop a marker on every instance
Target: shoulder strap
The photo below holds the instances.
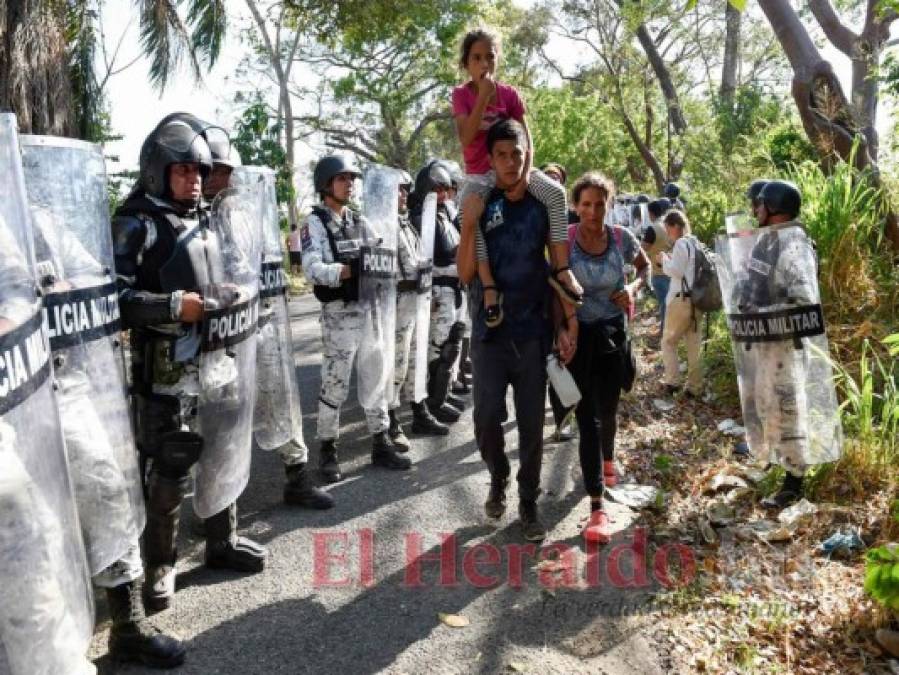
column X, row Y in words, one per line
column 325, row 216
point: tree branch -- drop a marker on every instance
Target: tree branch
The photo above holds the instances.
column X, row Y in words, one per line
column 839, row 35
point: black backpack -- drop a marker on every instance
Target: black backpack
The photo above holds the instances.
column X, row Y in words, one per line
column 705, row 293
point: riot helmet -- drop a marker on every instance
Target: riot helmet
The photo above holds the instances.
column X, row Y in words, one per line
column 328, row 167
column 671, row 191
column 435, row 174
column 173, row 141
column 405, row 180
column 658, row 207
column 781, row 197
column 755, row 187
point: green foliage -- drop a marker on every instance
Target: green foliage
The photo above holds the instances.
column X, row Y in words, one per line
column 258, row 141
column 836, row 203
column 787, row 145
column 882, row 571
column 577, row 131
column 870, row 407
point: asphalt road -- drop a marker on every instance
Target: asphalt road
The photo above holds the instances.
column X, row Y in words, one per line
column 359, row 604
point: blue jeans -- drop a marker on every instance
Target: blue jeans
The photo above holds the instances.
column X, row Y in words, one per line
column 660, row 284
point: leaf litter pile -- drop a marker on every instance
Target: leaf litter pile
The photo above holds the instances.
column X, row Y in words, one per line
column 764, row 597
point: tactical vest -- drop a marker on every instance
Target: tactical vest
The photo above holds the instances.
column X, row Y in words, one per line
column 183, row 257
column 446, row 240
column 348, row 291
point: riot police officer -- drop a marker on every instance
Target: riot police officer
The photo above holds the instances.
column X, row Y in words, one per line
column 407, row 298
column 447, row 324
column 165, row 254
column 332, row 237
column 778, row 316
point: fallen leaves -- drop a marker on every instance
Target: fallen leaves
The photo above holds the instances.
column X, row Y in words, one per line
column 453, row 620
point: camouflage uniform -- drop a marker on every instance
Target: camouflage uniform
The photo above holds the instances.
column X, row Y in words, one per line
column 783, row 273
column 342, row 320
column 406, row 312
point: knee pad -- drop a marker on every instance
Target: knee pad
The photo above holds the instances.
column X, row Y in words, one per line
column 177, row 451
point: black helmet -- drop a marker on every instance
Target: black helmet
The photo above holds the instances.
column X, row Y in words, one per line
column 331, row 165
column 643, row 198
column 173, row 141
column 781, row 197
column 658, row 207
column 432, row 175
column 755, row 187
column 405, row 179
column 671, row 191
column 216, row 137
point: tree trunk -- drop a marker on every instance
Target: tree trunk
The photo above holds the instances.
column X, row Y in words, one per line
column 731, row 63
column 827, row 117
column 34, row 67
column 663, row 75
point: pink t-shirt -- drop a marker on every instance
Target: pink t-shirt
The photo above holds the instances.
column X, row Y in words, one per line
column 507, row 104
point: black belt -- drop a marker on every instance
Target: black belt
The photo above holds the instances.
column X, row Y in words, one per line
column 452, row 282
column 407, row 286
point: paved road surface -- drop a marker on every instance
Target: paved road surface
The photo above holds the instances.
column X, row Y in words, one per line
column 382, row 618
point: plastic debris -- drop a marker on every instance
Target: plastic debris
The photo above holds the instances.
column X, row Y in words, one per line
column 662, row 405
column 632, row 495
column 725, row 481
column 793, row 514
column 729, row 427
column 840, row 543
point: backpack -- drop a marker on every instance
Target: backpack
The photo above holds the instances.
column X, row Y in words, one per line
column 705, row 293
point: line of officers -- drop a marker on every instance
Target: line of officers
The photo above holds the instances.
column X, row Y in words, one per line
column 191, row 267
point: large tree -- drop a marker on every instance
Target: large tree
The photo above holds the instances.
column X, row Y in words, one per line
column 47, row 55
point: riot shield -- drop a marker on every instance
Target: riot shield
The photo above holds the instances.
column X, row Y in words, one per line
column 228, row 353
column 423, row 314
column 277, row 417
column 46, row 610
column 377, row 286
column 66, row 184
column 769, row 286
column 738, row 222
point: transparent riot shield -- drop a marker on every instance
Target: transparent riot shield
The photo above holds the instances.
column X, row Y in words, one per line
column 738, row 222
column 423, row 315
column 228, row 353
column 46, row 610
column 769, row 287
column 377, row 286
column 66, row 184
column 277, row 417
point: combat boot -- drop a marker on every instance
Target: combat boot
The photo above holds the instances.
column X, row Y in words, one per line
column 160, row 536
column 789, row 493
column 396, row 433
column 423, row 422
column 132, row 637
column 444, row 413
column 329, row 468
column 456, row 402
column 530, row 520
column 384, row 455
column 225, row 550
column 299, row 490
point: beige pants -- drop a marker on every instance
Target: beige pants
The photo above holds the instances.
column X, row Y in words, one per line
column 682, row 322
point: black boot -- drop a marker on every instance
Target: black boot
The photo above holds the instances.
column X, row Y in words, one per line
column 456, row 402
column 423, row 422
column 444, row 413
column 465, row 357
column 328, row 467
column 383, row 454
column 133, row 638
column 461, row 386
column 160, row 536
column 396, row 433
column 225, row 550
column 299, row 490
column 790, row 492
column 495, row 506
